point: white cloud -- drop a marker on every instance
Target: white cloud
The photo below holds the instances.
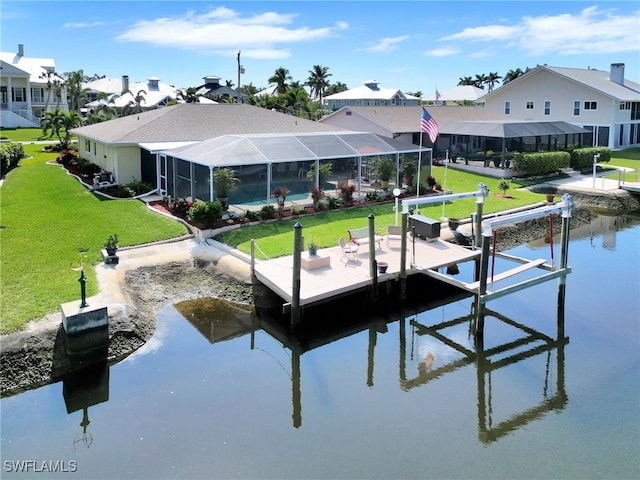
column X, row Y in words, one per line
column 442, row 52
column 591, row 31
column 388, row 44
column 82, row 24
column 225, row 30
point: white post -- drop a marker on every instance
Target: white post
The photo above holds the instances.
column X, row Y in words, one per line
column 396, row 193
column 595, row 162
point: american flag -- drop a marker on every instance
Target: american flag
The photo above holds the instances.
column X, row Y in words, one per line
column 429, row 125
column 438, row 97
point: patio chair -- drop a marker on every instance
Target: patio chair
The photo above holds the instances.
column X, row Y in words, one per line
column 349, row 250
column 394, row 234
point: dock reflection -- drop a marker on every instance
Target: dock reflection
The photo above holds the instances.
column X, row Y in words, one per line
column 219, row 321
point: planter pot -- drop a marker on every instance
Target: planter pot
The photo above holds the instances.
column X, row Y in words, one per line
column 384, row 184
column 382, row 267
column 550, row 197
column 313, row 251
column 111, row 251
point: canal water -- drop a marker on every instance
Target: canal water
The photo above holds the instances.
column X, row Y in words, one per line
column 219, row 393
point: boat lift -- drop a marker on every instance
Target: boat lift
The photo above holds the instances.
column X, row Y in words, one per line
column 484, row 232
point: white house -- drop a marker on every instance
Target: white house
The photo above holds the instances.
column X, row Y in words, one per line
column 369, row 94
column 456, row 95
column 121, row 92
column 600, row 101
column 28, row 87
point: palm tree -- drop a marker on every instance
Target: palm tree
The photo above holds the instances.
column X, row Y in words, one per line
column 280, row 77
column 336, row 88
column 512, row 75
column 190, row 95
column 229, row 83
column 465, row 81
column 135, row 105
column 492, row 79
column 318, row 81
column 480, row 80
column 76, row 94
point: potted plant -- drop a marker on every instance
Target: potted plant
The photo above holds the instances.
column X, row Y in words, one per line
column 224, row 181
column 431, row 181
column 384, row 168
column 409, row 169
column 313, row 247
column 111, row 245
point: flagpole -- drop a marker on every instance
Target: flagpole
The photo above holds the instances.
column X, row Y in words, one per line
column 419, row 163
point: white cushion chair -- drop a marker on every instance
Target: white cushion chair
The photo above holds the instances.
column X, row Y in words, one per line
column 349, row 250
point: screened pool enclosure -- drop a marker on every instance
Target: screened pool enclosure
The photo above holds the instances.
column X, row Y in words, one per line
column 264, row 162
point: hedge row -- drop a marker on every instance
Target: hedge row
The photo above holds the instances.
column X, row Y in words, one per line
column 10, row 156
column 582, row 158
column 540, row 163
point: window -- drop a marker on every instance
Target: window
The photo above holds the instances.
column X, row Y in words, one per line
column 507, row 108
column 547, row 107
column 576, row 108
column 18, row 95
column 87, row 145
column 590, row 105
column 529, row 106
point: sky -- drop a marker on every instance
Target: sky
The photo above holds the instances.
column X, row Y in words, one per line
column 414, row 46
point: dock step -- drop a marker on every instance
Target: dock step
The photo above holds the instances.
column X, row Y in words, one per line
column 509, row 273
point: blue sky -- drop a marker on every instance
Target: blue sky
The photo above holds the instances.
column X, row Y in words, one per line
column 413, row 45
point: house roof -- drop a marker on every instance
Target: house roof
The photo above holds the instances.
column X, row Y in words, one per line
column 237, row 150
column 459, row 94
column 403, row 119
column 509, row 129
column 369, row 90
column 591, row 78
column 195, row 121
column 155, row 92
column 37, row 69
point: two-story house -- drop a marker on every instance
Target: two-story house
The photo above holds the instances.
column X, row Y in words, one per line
column 28, row 87
column 369, row 94
column 603, row 102
column 119, row 93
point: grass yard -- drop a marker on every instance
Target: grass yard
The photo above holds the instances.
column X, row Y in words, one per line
column 28, row 135
column 46, row 218
column 276, row 238
column 629, row 158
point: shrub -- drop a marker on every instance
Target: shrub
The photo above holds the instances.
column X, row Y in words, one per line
column 316, row 195
column 582, row 158
column 346, row 193
column 205, row 213
column 138, row 187
column 503, row 185
column 268, row 212
column 251, row 216
column 297, row 209
column 540, row 163
column 10, row 156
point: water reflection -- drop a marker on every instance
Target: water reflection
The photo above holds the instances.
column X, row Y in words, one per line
column 436, row 350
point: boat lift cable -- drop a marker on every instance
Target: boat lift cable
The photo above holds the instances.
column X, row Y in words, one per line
column 553, row 264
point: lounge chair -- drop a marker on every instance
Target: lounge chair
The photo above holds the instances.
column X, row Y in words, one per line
column 349, row 250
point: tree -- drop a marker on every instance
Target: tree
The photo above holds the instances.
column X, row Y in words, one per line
column 280, row 77
column 59, row 122
column 512, row 75
column 465, row 81
column 189, row 95
column 134, row 105
column 492, row 79
column 480, row 80
column 336, row 88
column 318, row 81
column 76, row 94
column 229, row 83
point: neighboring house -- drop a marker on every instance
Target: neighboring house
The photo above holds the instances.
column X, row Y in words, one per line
column 28, row 87
column 604, row 102
column 369, row 94
column 120, row 93
column 456, row 95
column 464, row 131
column 176, row 148
column 213, row 90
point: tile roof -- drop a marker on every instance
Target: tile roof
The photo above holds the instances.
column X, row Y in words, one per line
column 194, row 121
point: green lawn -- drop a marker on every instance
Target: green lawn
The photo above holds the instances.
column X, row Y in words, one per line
column 27, row 135
column 276, row 239
column 629, row 158
column 46, row 218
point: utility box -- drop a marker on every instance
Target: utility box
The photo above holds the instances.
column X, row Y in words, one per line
column 424, row 227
